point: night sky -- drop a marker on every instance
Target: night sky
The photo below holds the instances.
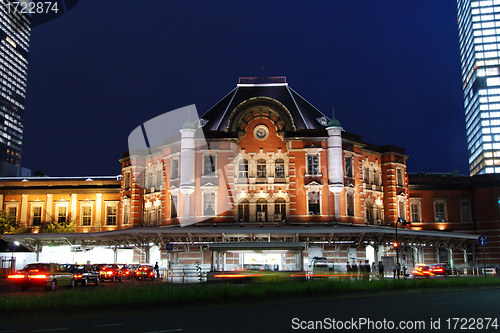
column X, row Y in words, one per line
column 391, row 69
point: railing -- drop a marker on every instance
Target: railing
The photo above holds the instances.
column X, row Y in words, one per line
column 8, row 266
column 182, row 275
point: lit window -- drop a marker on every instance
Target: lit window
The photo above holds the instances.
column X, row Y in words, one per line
column 261, row 168
column 313, row 206
column 37, row 216
column 279, row 168
column 86, row 215
column 312, row 164
column 111, row 215
column 61, row 214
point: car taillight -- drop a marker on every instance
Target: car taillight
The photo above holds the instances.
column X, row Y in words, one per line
column 150, row 273
column 16, row 276
column 39, row 276
column 78, row 276
column 109, row 272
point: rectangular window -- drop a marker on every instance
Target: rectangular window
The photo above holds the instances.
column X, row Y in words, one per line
column 111, row 215
column 415, row 213
column 465, row 211
column 348, row 167
column 439, row 212
column 173, row 205
column 399, row 175
column 313, row 203
column 127, row 182
column 209, row 204
column 12, row 212
column 86, row 215
column 209, row 164
column 126, row 214
column 61, row 214
column 312, row 164
column 175, row 168
column 37, row 216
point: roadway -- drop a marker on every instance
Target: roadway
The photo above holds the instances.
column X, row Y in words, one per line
column 422, row 311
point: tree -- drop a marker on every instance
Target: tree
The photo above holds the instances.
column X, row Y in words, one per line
column 57, row 227
column 9, row 225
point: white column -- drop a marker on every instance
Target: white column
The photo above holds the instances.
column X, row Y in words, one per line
column 335, row 162
column 48, row 210
column 74, row 200
column 24, row 210
column 187, row 168
column 98, row 209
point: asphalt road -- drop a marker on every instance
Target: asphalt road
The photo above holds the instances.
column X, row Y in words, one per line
column 419, row 312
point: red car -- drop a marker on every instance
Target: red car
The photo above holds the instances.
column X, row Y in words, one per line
column 109, row 272
column 127, row 271
column 144, row 272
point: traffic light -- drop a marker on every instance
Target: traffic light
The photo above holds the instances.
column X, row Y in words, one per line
column 395, row 245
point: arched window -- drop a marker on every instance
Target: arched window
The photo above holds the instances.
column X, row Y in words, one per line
column 243, row 211
column 279, row 209
column 279, row 168
column 261, row 168
column 243, row 169
column 261, row 210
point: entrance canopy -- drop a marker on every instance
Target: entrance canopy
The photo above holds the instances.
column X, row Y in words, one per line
column 247, row 236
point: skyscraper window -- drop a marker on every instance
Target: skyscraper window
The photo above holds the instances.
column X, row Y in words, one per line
column 14, row 43
column 478, row 23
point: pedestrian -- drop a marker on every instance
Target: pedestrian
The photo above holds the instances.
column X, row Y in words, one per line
column 374, row 270
column 157, row 270
column 380, row 269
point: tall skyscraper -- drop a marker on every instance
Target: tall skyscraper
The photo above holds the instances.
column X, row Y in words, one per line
column 479, row 34
column 14, row 36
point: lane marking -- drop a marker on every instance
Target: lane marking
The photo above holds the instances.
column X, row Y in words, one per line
column 174, row 330
column 106, row 325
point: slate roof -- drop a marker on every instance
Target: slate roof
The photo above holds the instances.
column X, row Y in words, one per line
column 304, row 114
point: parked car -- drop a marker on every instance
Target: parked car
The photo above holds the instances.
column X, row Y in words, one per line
column 85, row 274
column 127, row 270
column 109, row 272
column 144, row 272
column 45, row 275
column 440, row 269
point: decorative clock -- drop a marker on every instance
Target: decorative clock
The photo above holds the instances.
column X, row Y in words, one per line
column 261, row 132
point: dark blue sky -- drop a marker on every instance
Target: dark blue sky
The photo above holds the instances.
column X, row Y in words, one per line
column 390, row 68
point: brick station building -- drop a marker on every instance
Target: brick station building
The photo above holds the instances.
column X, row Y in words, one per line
column 262, row 170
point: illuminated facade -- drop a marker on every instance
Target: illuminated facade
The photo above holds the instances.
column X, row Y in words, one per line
column 14, row 39
column 262, row 170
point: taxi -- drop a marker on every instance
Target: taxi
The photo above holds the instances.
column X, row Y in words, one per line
column 42, row 275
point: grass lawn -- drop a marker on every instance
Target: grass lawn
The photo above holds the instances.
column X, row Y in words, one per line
column 166, row 294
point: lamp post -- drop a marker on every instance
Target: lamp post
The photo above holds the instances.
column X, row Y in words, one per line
column 396, row 245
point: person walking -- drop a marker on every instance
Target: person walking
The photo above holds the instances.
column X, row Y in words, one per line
column 157, row 270
column 380, row 270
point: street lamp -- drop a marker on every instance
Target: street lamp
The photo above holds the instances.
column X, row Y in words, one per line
column 396, row 244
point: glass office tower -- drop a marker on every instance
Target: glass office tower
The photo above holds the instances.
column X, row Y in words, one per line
column 14, row 37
